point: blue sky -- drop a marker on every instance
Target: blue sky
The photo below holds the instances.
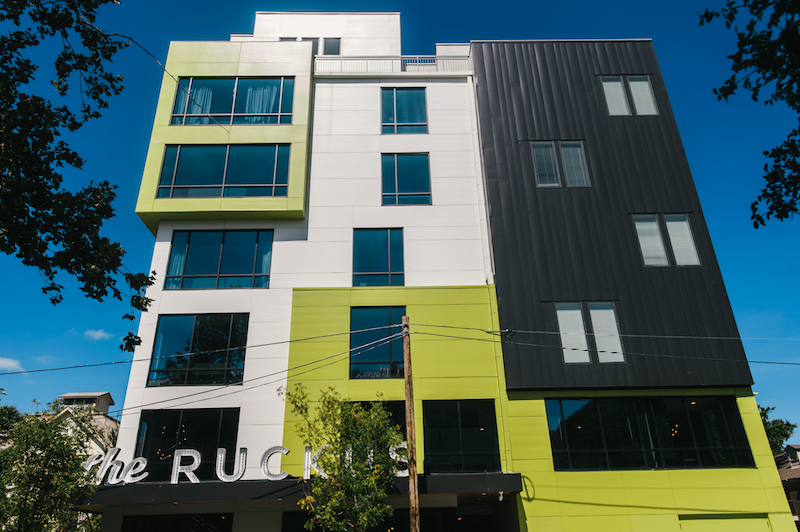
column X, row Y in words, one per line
column 723, row 141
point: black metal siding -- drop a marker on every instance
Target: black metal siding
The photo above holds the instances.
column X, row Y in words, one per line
column 579, row 244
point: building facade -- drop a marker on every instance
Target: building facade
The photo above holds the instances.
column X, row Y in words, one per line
column 527, row 205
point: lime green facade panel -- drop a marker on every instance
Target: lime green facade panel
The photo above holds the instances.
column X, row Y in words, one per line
column 229, row 59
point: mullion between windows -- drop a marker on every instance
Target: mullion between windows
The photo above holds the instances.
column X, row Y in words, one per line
column 233, row 99
column 394, row 117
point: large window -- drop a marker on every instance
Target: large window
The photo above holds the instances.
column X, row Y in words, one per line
column 460, row 436
column 553, row 159
column 603, row 337
column 647, row 433
column 219, row 259
column 233, row 101
column 651, row 241
column 406, row 179
column 193, row 522
column 371, row 355
column 617, row 89
column 206, row 349
column 378, row 257
column 239, row 170
column 403, row 111
column 204, row 430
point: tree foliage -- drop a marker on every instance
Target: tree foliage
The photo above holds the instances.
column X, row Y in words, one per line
column 41, row 223
column 778, row 430
column 43, row 477
column 767, row 59
column 359, row 471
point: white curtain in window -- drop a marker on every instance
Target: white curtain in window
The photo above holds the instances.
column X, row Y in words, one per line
column 200, row 104
column 680, row 236
column 574, row 164
column 573, row 335
column 262, row 100
column 606, row 332
column 643, row 100
column 615, row 95
column 650, row 240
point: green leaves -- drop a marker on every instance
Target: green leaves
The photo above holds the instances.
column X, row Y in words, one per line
column 778, row 430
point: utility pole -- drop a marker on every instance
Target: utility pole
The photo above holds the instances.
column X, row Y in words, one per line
column 413, row 485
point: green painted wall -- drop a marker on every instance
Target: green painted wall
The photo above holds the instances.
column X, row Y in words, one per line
column 470, row 367
column 231, row 59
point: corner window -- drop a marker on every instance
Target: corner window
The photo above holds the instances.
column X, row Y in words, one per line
column 617, row 90
column 378, row 257
column 403, row 111
column 331, row 46
column 603, row 337
column 371, row 356
column 216, row 101
column 552, row 159
column 238, row 170
column 219, row 259
column 205, row 349
column 204, row 430
column 647, row 433
column 460, row 436
column 652, row 243
column 406, row 179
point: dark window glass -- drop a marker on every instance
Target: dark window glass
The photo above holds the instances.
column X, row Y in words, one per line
column 201, row 101
column 647, row 433
column 213, row 171
column 373, row 354
column 331, row 46
column 403, row 111
column 406, row 179
column 206, row 349
column 178, row 523
column 219, row 259
column 205, row 430
column 378, row 257
column 460, row 436
column 552, row 159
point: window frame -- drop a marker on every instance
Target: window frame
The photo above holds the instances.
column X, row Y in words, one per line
column 588, row 341
column 562, row 176
column 338, row 41
column 394, row 348
column 629, row 95
column 282, row 117
column 396, row 195
column 666, row 240
column 397, row 128
column 394, row 277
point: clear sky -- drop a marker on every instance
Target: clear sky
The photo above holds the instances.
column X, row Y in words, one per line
column 723, row 141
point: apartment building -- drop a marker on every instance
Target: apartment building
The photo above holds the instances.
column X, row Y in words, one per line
column 526, row 204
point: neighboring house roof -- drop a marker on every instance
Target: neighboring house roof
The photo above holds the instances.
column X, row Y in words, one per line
column 788, row 463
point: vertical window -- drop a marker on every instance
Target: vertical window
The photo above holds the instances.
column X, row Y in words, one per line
column 373, row 355
column 233, row 101
column 378, row 257
column 460, row 436
column 641, row 94
column 651, row 241
column 206, row 349
column 549, row 167
column 238, row 170
column 403, row 111
column 205, row 430
column 332, row 45
column 219, row 259
column 603, row 338
column 406, row 179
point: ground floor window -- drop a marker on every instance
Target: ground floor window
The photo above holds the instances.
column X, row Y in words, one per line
column 178, row 523
column 460, row 436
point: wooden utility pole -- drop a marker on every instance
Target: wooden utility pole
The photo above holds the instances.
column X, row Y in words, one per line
column 413, row 486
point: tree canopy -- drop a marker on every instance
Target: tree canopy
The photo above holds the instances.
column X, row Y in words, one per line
column 41, row 223
column 767, row 61
column 778, row 430
column 359, row 471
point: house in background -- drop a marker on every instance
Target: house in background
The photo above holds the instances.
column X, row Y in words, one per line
column 527, row 204
column 789, row 471
column 104, row 428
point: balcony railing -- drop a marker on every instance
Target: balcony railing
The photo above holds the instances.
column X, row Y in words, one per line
column 406, row 63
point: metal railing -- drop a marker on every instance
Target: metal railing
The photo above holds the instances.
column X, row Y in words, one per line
column 406, row 63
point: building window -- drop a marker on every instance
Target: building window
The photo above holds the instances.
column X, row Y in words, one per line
column 314, row 44
column 647, row 433
column 233, row 101
column 239, row 170
column 406, row 179
column 641, row 94
column 204, row 430
column 378, row 257
column 206, row 349
column 219, row 259
column 403, row 111
column 193, row 522
column 603, row 337
column 331, row 46
column 372, row 355
column 651, row 241
column 460, row 436
column 570, row 162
